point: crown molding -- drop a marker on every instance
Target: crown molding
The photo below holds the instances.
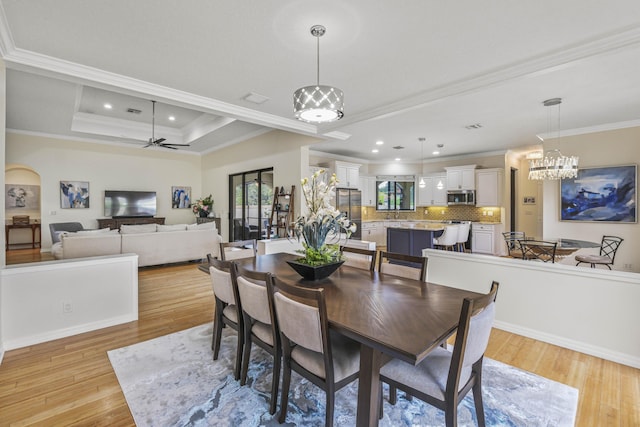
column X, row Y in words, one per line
column 590, row 129
column 237, row 140
column 120, row 128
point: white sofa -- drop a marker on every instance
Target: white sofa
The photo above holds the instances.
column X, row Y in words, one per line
column 154, row 244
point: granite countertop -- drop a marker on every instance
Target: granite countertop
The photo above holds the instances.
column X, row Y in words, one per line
column 422, row 226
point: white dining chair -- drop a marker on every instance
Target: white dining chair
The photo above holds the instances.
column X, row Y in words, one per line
column 449, row 238
column 463, row 235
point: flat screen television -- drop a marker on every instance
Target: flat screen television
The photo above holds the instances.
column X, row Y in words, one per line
column 129, row 203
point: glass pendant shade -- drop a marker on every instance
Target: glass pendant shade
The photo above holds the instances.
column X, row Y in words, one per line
column 318, row 104
column 554, row 165
column 422, row 184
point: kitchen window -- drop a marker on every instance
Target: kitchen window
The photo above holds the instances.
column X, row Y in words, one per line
column 395, row 193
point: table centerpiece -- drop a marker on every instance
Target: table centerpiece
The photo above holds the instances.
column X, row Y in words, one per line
column 321, row 230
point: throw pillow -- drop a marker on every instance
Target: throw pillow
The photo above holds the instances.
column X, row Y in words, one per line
column 99, row 231
column 203, row 226
column 175, row 227
column 137, row 229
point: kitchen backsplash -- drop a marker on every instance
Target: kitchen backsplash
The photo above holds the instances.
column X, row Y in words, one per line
column 437, row 213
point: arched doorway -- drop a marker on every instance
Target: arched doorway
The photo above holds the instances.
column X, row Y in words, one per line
column 22, row 199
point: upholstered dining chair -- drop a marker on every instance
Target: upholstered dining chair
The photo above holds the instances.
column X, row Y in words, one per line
column 238, row 249
column 448, row 240
column 359, row 258
column 327, row 359
column 403, row 265
column 260, row 325
column 444, row 377
column 608, row 249
column 539, row 250
column 227, row 311
column 512, row 238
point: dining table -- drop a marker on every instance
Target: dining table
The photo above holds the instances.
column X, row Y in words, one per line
column 390, row 316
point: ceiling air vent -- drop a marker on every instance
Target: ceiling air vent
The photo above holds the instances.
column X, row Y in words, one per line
column 398, row 147
column 473, row 126
column 133, row 111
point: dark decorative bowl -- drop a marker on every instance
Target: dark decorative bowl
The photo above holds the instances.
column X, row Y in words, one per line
column 310, row 272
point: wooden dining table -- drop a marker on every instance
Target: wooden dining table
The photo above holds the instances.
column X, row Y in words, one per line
column 390, row 316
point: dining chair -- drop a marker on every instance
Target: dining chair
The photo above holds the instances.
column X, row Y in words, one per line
column 608, row 249
column 511, row 238
column 238, row 249
column 359, row 258
column 448, row 239
column 463, row 235
column 327, row 359
column 227, row 310
column 540, row 250
column 444, row 377
column 403, row 265
column 260, row 325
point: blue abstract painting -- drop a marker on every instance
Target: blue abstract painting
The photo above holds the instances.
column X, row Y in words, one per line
column 600, row 194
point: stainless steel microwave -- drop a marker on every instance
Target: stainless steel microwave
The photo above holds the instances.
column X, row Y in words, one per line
column 461, row 197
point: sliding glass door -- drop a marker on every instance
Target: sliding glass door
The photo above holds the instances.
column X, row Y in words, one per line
column 250, row 202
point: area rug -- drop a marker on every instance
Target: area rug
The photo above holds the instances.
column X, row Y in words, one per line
column 173, row 381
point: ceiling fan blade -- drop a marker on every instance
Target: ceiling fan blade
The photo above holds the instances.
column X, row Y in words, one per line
column 167, row 146
column 176, row 145
column 159, row 140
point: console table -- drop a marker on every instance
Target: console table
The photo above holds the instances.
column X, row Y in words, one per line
column 33, row 226
column 116, row 223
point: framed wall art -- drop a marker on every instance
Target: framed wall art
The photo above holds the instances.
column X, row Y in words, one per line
column 74, row 195
column 606, row 194
column 22, row 196
column 181, row 197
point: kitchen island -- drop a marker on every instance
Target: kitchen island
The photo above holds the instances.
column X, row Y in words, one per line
column 412, row 239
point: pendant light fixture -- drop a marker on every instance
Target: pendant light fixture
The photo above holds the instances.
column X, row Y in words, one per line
column 421, row 184
column 553, row 165
column 318, row 104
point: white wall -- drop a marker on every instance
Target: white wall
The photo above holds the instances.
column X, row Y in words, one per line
column 105, row 168
column 101, row 292
column 618, row 147
column 594, row 312
column 287, row 153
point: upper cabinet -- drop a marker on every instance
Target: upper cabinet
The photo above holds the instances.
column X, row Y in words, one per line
column 434, row 192
column 368, row 188
column 348, row 174
column 489, row 187
column 461, row 177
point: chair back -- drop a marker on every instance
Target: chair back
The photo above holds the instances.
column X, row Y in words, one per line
column 463, row 231
column 238, row 249
column 302, row 317
column 254, row 295
column 511, row 238
column 221, row 280
column 359, row 258
column 609, row 246
column 57, row 227
column 472, row 336
column 409, row 266
column 450, row 236
column 538, row 250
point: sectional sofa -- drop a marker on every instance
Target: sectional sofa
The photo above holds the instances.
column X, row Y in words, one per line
column 153, row 243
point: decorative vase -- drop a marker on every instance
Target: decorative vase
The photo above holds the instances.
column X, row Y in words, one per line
column 203, row 214
column 311, row 272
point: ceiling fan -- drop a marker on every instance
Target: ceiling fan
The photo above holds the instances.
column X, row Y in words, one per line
column 153, row 142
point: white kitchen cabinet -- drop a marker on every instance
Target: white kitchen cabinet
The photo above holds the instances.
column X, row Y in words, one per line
column 348, row 174
column 489, row 187
column 487, row 238
column 434, row 192
column 368, row 188
column 461, row 177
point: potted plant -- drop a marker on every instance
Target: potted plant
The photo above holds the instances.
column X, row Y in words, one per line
column 203, row 207
column 321, row 229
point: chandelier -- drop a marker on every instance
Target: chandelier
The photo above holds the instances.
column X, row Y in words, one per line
column 553, row 165
column 317, row 103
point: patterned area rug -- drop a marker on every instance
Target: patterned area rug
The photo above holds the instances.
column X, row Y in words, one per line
column 173, row 381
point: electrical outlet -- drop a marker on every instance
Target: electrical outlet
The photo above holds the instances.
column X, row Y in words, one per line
column 52, row 212
column 426, row 211
column 67, row 307
column 484, row 213
column 490, row 213
column 628, row 267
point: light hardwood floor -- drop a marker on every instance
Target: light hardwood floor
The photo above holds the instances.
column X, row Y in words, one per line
column 70, row 381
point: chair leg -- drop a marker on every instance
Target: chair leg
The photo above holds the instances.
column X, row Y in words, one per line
column 216, row 336
column 275, row 381
column 393, row 394
column 477, row 400
column 239, row 348
column 246, row 354
column 330, row 406
column 451, row 415
column 284, row 396
column 380, row 403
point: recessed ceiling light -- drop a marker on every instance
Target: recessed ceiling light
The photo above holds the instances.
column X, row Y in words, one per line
column 397, row 159
column 172, row 118
column 473, row 126
column 375, row 150
column 435, row 153
column 108, row 106
column 379, row 142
